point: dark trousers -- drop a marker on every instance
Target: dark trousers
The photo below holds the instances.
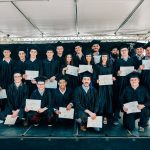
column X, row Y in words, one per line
column 129, row 119
column 35, row 117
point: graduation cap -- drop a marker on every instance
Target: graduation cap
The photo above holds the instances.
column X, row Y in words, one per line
column 33, row 47
column 86, row 74
column 124, row 46
column 134, row 75
column 40, row 79
column 105, row 53
column 50, row 48
column 77, row 44
column 116, row 46
column 18, row 71
column 63, row 78
column 7, row 47
column 95, row 42
column 59, row 44
column 88, row 52
column 138, row 45
column 21, row 48
column 147, row 45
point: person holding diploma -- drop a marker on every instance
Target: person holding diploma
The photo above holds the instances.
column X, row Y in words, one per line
column 33, row 64
column 62, row 96
column 85, row 100
column 122, row 81
column 138, row 93
column 105, row 91
column 72, row 80
column 17, row 94
column 46, row 110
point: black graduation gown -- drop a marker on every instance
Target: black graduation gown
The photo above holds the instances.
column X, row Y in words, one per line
column 20, row 66
column 62, row 100
column 83, row 100
column 105, row 91
column 122, row 81
column 46, row 100
column 6, row 73
column 77, row 61
column 60, row 60
column 16, row 97
column 145, row 78
column 72, row 81
column 51, row 68
column 137, row 62
column 35, row 65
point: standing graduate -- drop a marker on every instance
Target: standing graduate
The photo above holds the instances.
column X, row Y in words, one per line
column 78, row 56
column 145, row 74
column 139, row 55
column 122, row 81
column 46, row 110
column 138, row 93
column 50, row 65
column 21, row 63
column 62, row 96
column 16, row 96
column 73, row 81
column 85, row 100
column 105, row 91
column 7, row 65
column 33, row 64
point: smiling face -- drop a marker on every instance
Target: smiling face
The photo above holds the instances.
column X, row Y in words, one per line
column 22, row 55
column 86, row 81
column 33, row 53
column 96, row 47
column 139, row 51
column 68, row 58
column 41, row 85
column 17, row 78
column 104, row 58
column 124, row 52
column 49, row 54
column 78, row 49
column 88, row 58
column 148, row 51
column 62, row 84
column 59, row 50
column 134, row 82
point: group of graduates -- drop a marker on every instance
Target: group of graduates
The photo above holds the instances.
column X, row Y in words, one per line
column 82, row 92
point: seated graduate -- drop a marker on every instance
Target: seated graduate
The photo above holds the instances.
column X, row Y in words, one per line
column 138, row 93
column 62, row 96
column 16, row 95
column 85, row 100
column 46, row 110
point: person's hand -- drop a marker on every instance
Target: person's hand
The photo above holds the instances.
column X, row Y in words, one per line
column 69, row 106
column 25, row 76
column 33, row 81
column 141, row 67
column 119, row 72
column 140, row 106
column 41, row 110
column 113, row 78
column 57, row 112
column 97, row 81
column 93, row 115
column 26, row 109
column 15, row 114
column 125, row 109
column 52, row 78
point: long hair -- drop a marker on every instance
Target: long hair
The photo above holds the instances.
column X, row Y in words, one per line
column 108, row 60
column 71, row 63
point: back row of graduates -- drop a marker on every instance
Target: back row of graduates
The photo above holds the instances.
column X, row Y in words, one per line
column 89, row 98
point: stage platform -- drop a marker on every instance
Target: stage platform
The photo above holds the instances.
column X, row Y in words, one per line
column 64, row 137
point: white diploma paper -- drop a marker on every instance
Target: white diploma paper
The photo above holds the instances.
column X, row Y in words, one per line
column 126, row 70
column 9, row 120
column 51, row 85
column 146, row 64
column 31, row 74
column 97, row 59
column 105, row 80
column 96, row 123
column 84, row 68
column 3, row 94
column 33, row 105
column 132, row 107
column 67, row 114
column 72, row 70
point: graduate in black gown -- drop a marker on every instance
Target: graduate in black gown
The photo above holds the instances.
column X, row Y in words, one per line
column 145, row 74
column 139, row 55
column 122, row 81
column 138, row 93
column 50, row 65
column 73, row 81
column 78, row 55
column 16, row 96
column 105, row 91
column 60, row 53
column 7, row 65
column 86, row 102
column 46, row 110
column 62, row 96
column 33, row 64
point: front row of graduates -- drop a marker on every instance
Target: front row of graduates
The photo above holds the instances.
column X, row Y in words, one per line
column 85, row 99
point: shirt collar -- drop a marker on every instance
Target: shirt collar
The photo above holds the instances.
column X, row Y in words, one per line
column 85, row 88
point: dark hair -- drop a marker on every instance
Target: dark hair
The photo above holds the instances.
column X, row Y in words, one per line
column 92, row 60
column 108, row 61
column 71, row 63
